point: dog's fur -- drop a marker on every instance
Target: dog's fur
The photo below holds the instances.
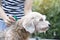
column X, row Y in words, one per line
column 20, row 30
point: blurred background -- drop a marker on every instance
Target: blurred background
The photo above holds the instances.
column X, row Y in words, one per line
column 51, row 8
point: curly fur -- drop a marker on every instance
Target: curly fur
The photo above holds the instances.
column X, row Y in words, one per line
column 19, row 31
column 16, row 32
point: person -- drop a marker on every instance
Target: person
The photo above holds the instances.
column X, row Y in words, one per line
column 11, row 8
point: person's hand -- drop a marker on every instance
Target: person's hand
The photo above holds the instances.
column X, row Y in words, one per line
column 9, row 20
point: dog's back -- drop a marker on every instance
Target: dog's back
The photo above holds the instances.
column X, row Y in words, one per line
column 16, row 33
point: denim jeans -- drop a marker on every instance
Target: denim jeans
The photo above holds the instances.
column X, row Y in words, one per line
column 2, row 25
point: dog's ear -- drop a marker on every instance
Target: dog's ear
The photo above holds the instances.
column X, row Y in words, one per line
column 29, row 25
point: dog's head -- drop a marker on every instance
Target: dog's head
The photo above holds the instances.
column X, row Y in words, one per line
column 35, row 21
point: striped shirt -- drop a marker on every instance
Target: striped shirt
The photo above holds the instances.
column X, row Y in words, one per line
column 14, row 7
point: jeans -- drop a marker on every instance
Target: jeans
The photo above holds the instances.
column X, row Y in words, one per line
column 2, row 25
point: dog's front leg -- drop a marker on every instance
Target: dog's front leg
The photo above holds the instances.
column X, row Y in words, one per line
column 11, row 35
column 8, row 35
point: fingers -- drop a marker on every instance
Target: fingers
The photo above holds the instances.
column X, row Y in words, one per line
column 12, row 19
column 9, row 20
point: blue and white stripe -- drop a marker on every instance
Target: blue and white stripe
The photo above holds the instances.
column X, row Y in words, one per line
column 14, row 7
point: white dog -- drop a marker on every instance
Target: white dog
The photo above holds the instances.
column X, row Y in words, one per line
column 30, row 23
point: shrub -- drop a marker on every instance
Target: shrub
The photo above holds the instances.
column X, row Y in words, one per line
column 51, row 8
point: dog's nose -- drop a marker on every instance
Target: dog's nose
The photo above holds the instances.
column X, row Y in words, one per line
column 49, row 25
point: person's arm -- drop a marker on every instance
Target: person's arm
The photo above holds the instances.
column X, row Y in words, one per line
column 2, row 13
column 7, row 19
column 28, row 6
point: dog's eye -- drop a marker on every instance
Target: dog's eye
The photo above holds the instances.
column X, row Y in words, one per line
column 32, row 17
column 41, row 19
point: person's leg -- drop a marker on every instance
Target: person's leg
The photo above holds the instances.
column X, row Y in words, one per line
column 2, row 25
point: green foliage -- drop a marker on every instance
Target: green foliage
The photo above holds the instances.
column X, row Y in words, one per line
column 51, row 8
